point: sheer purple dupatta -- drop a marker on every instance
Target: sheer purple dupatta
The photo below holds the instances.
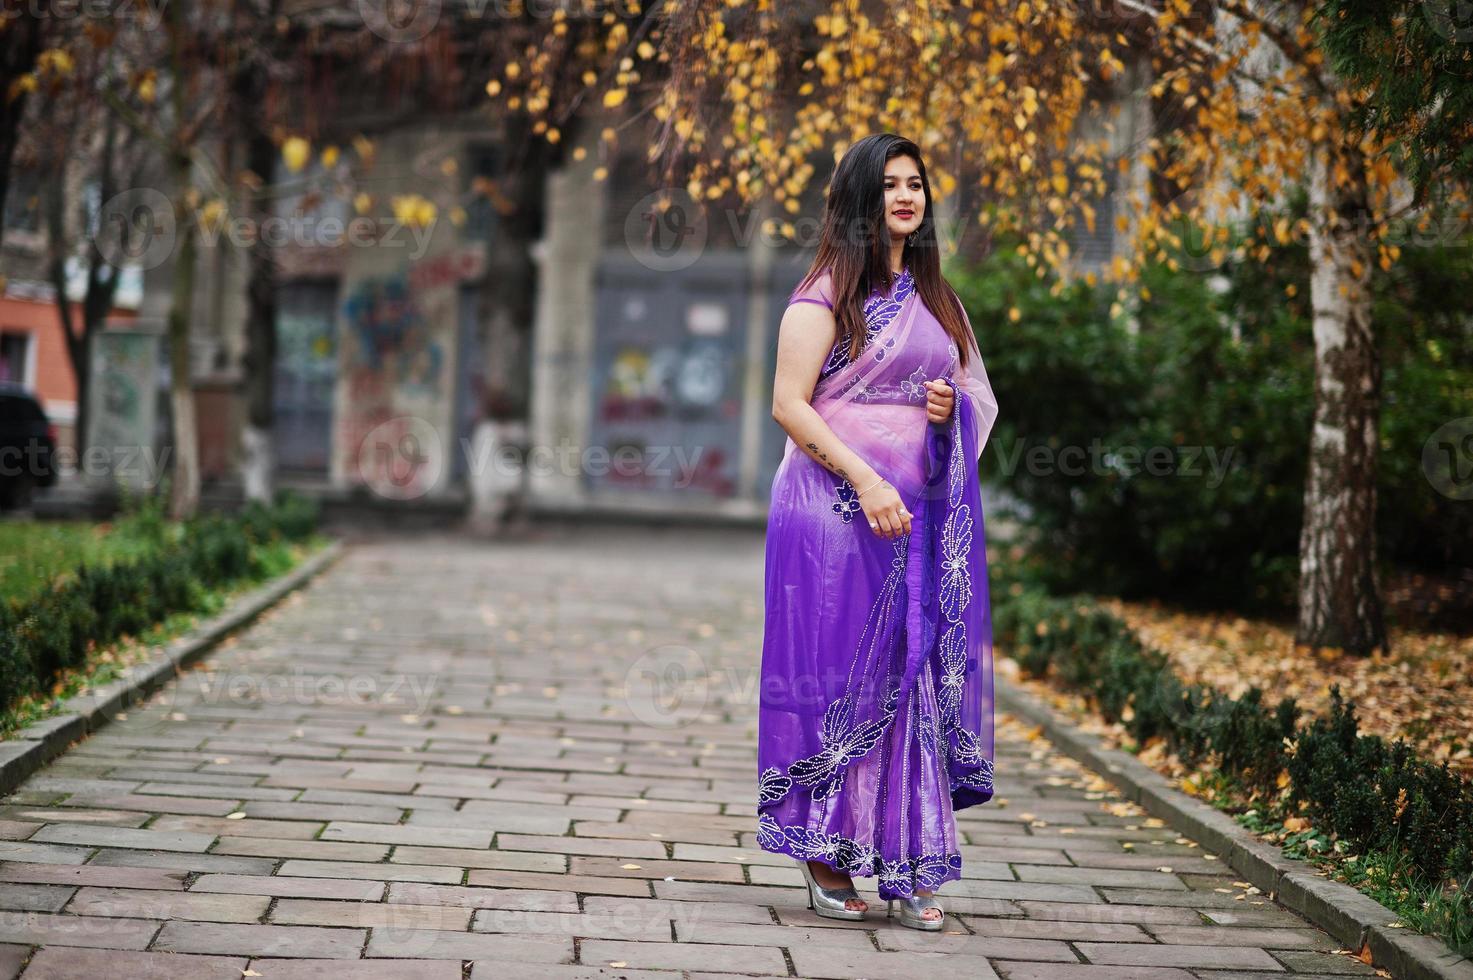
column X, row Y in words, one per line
column 955, row 588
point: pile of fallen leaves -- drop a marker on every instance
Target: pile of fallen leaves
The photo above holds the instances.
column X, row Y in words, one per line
column 1422, row 690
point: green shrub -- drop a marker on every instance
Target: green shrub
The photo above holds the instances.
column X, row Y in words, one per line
column 220, row 550
column 169, row 571
column 1379, row 796
column 1249, row 740
column 1069, row 379
column 17, row 665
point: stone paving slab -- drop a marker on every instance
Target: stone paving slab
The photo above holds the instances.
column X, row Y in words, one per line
column 259, row 940
column 12, row 959
column 190, row 906
column 448, row 758
column 69, row 963
column 282, row 969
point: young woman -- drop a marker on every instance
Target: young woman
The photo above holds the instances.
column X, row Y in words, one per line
column 876, row 698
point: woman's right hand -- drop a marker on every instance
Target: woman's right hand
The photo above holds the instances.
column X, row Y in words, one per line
column 885, row 511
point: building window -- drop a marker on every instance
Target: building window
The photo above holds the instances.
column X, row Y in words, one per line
column 23, row 202
column 13, row 350
column 486, row 170
column 314, row 208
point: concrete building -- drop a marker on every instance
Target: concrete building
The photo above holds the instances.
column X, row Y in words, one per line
column 641, row 380
column 637, row 379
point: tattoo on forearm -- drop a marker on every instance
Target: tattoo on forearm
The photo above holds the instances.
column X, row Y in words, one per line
column 824, row 459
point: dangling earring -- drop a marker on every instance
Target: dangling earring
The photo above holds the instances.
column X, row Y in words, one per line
column 911, row 238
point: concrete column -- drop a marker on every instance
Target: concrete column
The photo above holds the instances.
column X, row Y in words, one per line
column 562, row 332
column 756, row 405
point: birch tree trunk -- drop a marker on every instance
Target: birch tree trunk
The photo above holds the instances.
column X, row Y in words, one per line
column 184, row 488
column 1339, row 596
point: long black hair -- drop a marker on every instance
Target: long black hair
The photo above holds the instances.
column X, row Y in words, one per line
column 854, row 243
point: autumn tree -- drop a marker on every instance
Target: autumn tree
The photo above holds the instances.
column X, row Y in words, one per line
column 755, row 99
column 82, row 154
column 174, row 116
column 1280, row 114
column 1412, row 64
column 136, row 77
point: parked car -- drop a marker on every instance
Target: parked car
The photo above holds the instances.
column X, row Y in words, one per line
column 27, row 446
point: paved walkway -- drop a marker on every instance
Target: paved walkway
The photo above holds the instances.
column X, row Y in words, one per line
column 446, row 758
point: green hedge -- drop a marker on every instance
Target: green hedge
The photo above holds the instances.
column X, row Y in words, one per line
column 56, row 630
column 1373, row 795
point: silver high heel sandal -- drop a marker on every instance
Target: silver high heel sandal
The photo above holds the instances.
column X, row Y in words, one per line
column 912, row 912
column 829, row 902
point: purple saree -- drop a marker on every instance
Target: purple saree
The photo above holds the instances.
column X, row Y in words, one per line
column 875, row 722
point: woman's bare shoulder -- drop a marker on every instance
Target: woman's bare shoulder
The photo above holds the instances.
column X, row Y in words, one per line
column 817, row 288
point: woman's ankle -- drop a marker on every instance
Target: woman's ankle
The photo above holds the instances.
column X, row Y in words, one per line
column 822, row 872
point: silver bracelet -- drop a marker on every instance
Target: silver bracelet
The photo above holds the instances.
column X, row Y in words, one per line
column 867, row 489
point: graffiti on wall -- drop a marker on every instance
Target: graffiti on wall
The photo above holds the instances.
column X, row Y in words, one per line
column 668, row 380
column 394, row 423
column 123, row 412
column 393, row 337
column 395, row 374
column 668, row 400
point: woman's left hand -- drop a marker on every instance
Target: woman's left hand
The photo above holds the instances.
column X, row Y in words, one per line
column 940, row 399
